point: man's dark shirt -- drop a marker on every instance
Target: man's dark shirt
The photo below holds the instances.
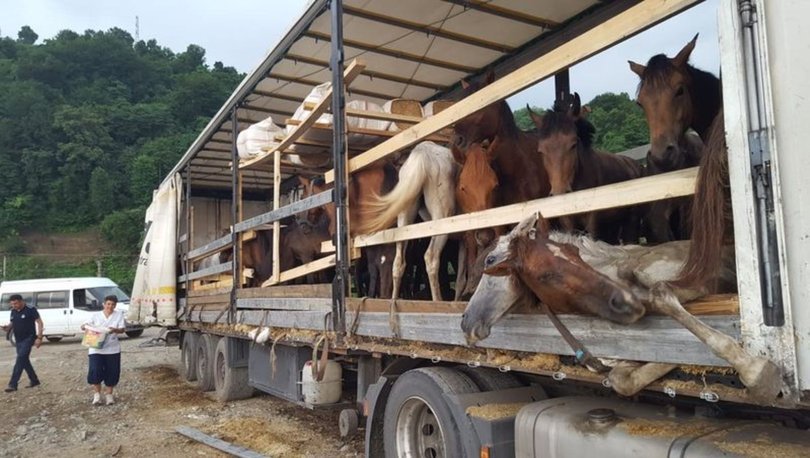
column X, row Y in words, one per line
column 24, row 322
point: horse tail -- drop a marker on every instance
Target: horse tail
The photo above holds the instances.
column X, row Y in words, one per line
column 710, row 209
column 379, row 212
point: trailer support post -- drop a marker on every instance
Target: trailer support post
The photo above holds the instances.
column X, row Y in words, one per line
column 340, row 284
column 236, row 201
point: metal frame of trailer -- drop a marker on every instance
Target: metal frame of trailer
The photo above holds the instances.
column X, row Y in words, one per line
column 361, row 326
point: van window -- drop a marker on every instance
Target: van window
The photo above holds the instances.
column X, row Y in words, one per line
column 52, row 300
column 100, row 292
column 85, row 300
column 27, row 298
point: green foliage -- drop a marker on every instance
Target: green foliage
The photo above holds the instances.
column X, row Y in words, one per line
column 124, row 229
column 523, row 119
column 90, row 123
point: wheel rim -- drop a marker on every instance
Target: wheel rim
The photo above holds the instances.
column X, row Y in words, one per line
column 419, row 433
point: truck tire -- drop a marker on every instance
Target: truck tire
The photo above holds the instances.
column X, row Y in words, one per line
column 488, row 379
column 417, row 420
column 188, row 356
column 230, row 383
column 206, row 349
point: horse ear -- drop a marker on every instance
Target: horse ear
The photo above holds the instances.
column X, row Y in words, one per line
column 489, row 78
column 683, row 55
column 576, row 106
column 586, row 110
column 490, row 148
column 542, row 226
column 465, row 84
column 536, row 118
column 638, row 69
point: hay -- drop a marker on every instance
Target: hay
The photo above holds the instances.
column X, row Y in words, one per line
column 663, row 428
column 495, row 411
column 406, row 107
column 280, row 437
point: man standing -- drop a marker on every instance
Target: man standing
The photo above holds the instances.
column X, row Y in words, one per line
column 27, row 327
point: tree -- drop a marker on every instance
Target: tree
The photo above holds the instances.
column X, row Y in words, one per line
column 524, row 120
column 620, row 123
column 27, row 36
column 102, row 197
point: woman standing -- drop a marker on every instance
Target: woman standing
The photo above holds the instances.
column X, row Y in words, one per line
column 105, row 362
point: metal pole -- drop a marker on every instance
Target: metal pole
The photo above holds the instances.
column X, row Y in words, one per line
column 340, row 284
column 235, row 202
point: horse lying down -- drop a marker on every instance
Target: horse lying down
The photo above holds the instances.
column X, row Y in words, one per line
column 574, row 273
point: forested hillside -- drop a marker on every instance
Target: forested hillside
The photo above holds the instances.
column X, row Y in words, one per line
column 90, row 123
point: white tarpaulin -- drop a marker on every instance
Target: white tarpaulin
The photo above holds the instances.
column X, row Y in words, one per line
column 154, row 292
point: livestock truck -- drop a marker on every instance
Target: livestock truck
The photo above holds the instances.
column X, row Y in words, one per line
column 422, row 391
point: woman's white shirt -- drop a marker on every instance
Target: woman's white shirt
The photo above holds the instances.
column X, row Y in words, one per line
column 115, row 320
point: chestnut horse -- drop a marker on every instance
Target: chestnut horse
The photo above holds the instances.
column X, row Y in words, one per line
column 574, row 272
column 505, row 172
column 675, row 97
column 566, row 148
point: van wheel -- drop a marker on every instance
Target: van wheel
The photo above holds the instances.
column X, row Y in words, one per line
column 418, row 421
column 230, row 383
column 134, row 334
column 53, row 339
column 206, row 349
column 188, row 356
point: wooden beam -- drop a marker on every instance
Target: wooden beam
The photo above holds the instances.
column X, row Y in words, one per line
column 214, row 247
column 301, row 271
column 349, row 74
column 210, row 271
column 366, row 131
column 313, row 83
column 378, row 115
column 393, row 53
column 608, row 33
column 273, row 95
column 370, row 73
column 284, row 303
column 487, row 7
column 249, row 107
column 276, row 206
column 321, row 290
column 647, row 189
column 427, row 29
column 316, row 200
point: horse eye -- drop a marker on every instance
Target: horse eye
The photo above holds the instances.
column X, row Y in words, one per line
column 573, row 147
column 679, row 92
column 489, row 260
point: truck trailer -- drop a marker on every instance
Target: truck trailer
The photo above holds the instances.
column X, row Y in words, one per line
column 418, row 388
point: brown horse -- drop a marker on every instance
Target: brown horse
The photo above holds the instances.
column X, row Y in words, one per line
column 505, row 172
column 675, row 97
column 363, row 185
column 566, row 148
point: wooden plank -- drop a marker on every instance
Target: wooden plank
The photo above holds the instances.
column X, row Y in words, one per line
column 222, row 282
column 354, row 69
column 323, row 290
column 207, row 272
column 378, row 115
column 317, row 200
column 276, row 223
column 647, row 189
column 657, row 339
column 301, row 271
column 209, row 292
column 210, row 248
column 210, row 299
column 607, row 34
column 716, row 305
column 285, row 303
column 302, row 319
column 371, row 132
column 218, row 444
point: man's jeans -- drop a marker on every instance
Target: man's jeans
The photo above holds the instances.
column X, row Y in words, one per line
column 23, row 363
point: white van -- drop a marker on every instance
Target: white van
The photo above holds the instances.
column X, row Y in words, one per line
column 64, row 303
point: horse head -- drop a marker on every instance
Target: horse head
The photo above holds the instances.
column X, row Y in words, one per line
column 314, row 216
column 477, row 185
column 558, row 276
column 476, row 127
column 665, row 94
column 563, row 133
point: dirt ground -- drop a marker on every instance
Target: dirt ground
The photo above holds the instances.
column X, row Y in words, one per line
column 57, row 419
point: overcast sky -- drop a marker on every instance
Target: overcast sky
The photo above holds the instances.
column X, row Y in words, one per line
column 240, row 32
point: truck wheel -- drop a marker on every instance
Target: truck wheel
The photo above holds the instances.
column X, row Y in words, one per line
column 134, row 334
column 418, row 421
column 487, row 379
column 206, row 349
column 188, row 356
column 230, row 383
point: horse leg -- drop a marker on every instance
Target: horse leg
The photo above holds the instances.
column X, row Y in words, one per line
column 461, row 270
column 762, row 377
column 628, row 378
column 432, row 260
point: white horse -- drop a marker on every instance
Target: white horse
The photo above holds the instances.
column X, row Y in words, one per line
column 429, row 172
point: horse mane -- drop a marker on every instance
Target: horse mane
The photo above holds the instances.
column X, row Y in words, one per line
column 590, row 247
column 710, row 210
column 509, row 126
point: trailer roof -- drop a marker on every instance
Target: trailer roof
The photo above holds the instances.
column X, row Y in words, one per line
column 415, row 49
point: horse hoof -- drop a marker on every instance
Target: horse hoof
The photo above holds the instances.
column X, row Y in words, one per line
column 763, row 379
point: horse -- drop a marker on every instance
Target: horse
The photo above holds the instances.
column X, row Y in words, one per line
column 509, row 169
column 675, row 97
column 378, row 178
column 566, row 148
column 426, row 185
column 620, row 283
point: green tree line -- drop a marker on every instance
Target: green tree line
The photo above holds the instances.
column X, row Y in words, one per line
column 91, row 123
